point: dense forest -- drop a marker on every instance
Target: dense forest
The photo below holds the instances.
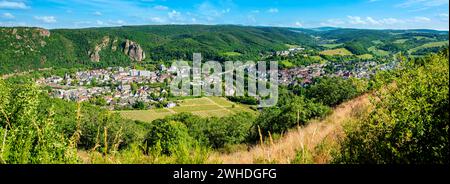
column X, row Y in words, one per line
column 23, row 49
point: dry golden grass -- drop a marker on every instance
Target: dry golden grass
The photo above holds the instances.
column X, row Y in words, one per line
column 308, row 138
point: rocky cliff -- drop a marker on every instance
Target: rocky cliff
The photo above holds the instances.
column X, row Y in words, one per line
column 95, row 54
column 133, row 50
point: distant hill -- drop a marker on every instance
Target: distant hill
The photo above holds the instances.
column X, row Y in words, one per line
column 25, row 48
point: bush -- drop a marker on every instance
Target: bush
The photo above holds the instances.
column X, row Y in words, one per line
column 26, row 135
column 409, row 122
column 216, row 132
column 333, row 91
column 169, row 137
column 293, row 111
column 94, row 124
column 229, row 130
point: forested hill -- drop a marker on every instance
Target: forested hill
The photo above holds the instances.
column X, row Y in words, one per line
column 27, row 48
column 31, row 48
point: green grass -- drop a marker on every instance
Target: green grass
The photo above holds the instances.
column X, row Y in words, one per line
column 145, row 115
column 287, row 64
column 334, row 52
column 291, row 46
column 230, row 54
column 377, row 42
column 429, row 45
column 331, row 46
column 204, row 107
column 423, row 38
column 378, row 52
column 365, row 56
column 400, row 41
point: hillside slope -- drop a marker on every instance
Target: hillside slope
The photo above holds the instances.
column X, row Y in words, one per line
column 31, row 48
column 308, row 138
column 24, row 48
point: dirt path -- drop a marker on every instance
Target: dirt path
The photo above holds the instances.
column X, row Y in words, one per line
column 284, row 150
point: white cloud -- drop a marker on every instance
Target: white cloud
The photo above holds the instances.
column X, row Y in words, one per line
column 370, row 20
column 273, row 10
column 12, row 24
column 99, row 22
column 356, row 20
column 116, row 22
column 443, row 16
column 46, row 19
column 333, row 22
column 174, row 14
column 160, row 7
column 12, row 5
column 157, row 20
column 422, row 3
column 298, row 24
column 8, row 16
column 422, row 19
column 98, row 13
column 391, row 21
column 210, row 11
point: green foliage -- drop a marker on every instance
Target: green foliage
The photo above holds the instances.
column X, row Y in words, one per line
column 169, row 137
column 356, row 48
column 93, row 122
column 24, row 48
column 216, row 132
column 409, row 122
column 243, row 99
column 26, row 135
column 333, row 91
column 292, row 111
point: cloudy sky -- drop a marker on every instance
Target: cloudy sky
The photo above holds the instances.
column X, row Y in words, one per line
column 374, row 14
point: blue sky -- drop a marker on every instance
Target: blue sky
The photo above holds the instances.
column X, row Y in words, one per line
column 374, row 14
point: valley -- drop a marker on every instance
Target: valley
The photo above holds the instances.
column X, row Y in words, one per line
column 102, row 95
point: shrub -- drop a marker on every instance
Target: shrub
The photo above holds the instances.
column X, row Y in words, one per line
column 216, row 132
column 26, row 135
column 293, row 111
column 333, row 91
column 169, row 137
column 409, row 122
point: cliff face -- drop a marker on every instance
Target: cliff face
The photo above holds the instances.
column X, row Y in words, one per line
column 134, row 51
column 130, row 48
column 95, row 54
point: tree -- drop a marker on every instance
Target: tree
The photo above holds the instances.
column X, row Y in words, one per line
column 409, row 122
column 26, row 135
column 168, row 137
column 333, row 91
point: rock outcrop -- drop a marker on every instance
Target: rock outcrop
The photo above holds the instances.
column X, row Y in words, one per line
column 44, row 32
column 95, row 54
column 134, row 51
column 114, row 45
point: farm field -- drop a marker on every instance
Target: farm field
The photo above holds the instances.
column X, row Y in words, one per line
column 204, row 107
column 334, row 52
column 429, row 45
column 378, row 52
column 331, row 45
column 365, row 56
